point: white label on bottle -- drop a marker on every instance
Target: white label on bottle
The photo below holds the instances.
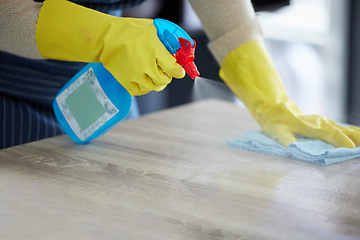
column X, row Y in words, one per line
column 85, row 105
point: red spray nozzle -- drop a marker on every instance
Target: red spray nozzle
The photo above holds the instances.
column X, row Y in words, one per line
column 191, row 69
column 185, row 57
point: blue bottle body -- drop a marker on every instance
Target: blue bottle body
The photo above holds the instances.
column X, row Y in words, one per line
column 91, row 103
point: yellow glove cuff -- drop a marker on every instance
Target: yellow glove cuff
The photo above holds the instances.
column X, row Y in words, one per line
column 60, row 35
column 249, row 72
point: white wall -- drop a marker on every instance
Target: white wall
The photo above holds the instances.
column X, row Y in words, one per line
column 307, row 42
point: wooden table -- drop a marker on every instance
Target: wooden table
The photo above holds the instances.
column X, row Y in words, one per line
column 169, row 175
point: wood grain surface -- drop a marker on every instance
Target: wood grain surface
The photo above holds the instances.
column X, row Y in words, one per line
column 170, row 175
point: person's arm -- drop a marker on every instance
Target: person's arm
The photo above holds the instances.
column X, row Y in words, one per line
column 245, row 66
column 17, row 27
column 227, row 24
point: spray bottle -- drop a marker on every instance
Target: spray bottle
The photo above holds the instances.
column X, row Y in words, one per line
column 93, row 101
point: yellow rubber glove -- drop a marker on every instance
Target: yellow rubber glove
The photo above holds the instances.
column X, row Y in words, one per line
column 251, row 75
column 128, row 48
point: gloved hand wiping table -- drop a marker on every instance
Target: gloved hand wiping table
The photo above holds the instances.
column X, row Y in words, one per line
column 236, row 41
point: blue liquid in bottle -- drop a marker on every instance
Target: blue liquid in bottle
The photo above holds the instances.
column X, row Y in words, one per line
column 91, row 103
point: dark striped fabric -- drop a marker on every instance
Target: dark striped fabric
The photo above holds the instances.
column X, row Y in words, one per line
column 106, row 5
column 28, row 87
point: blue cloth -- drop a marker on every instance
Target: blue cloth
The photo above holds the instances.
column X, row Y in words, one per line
column 308, row 150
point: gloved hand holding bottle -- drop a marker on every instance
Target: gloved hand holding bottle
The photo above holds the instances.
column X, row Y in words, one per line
column 129, row 48
column 140, row 54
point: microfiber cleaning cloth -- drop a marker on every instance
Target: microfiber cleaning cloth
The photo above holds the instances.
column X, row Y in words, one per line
column 308, row 150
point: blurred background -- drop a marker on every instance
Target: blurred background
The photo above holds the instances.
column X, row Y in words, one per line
column 315, row 46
